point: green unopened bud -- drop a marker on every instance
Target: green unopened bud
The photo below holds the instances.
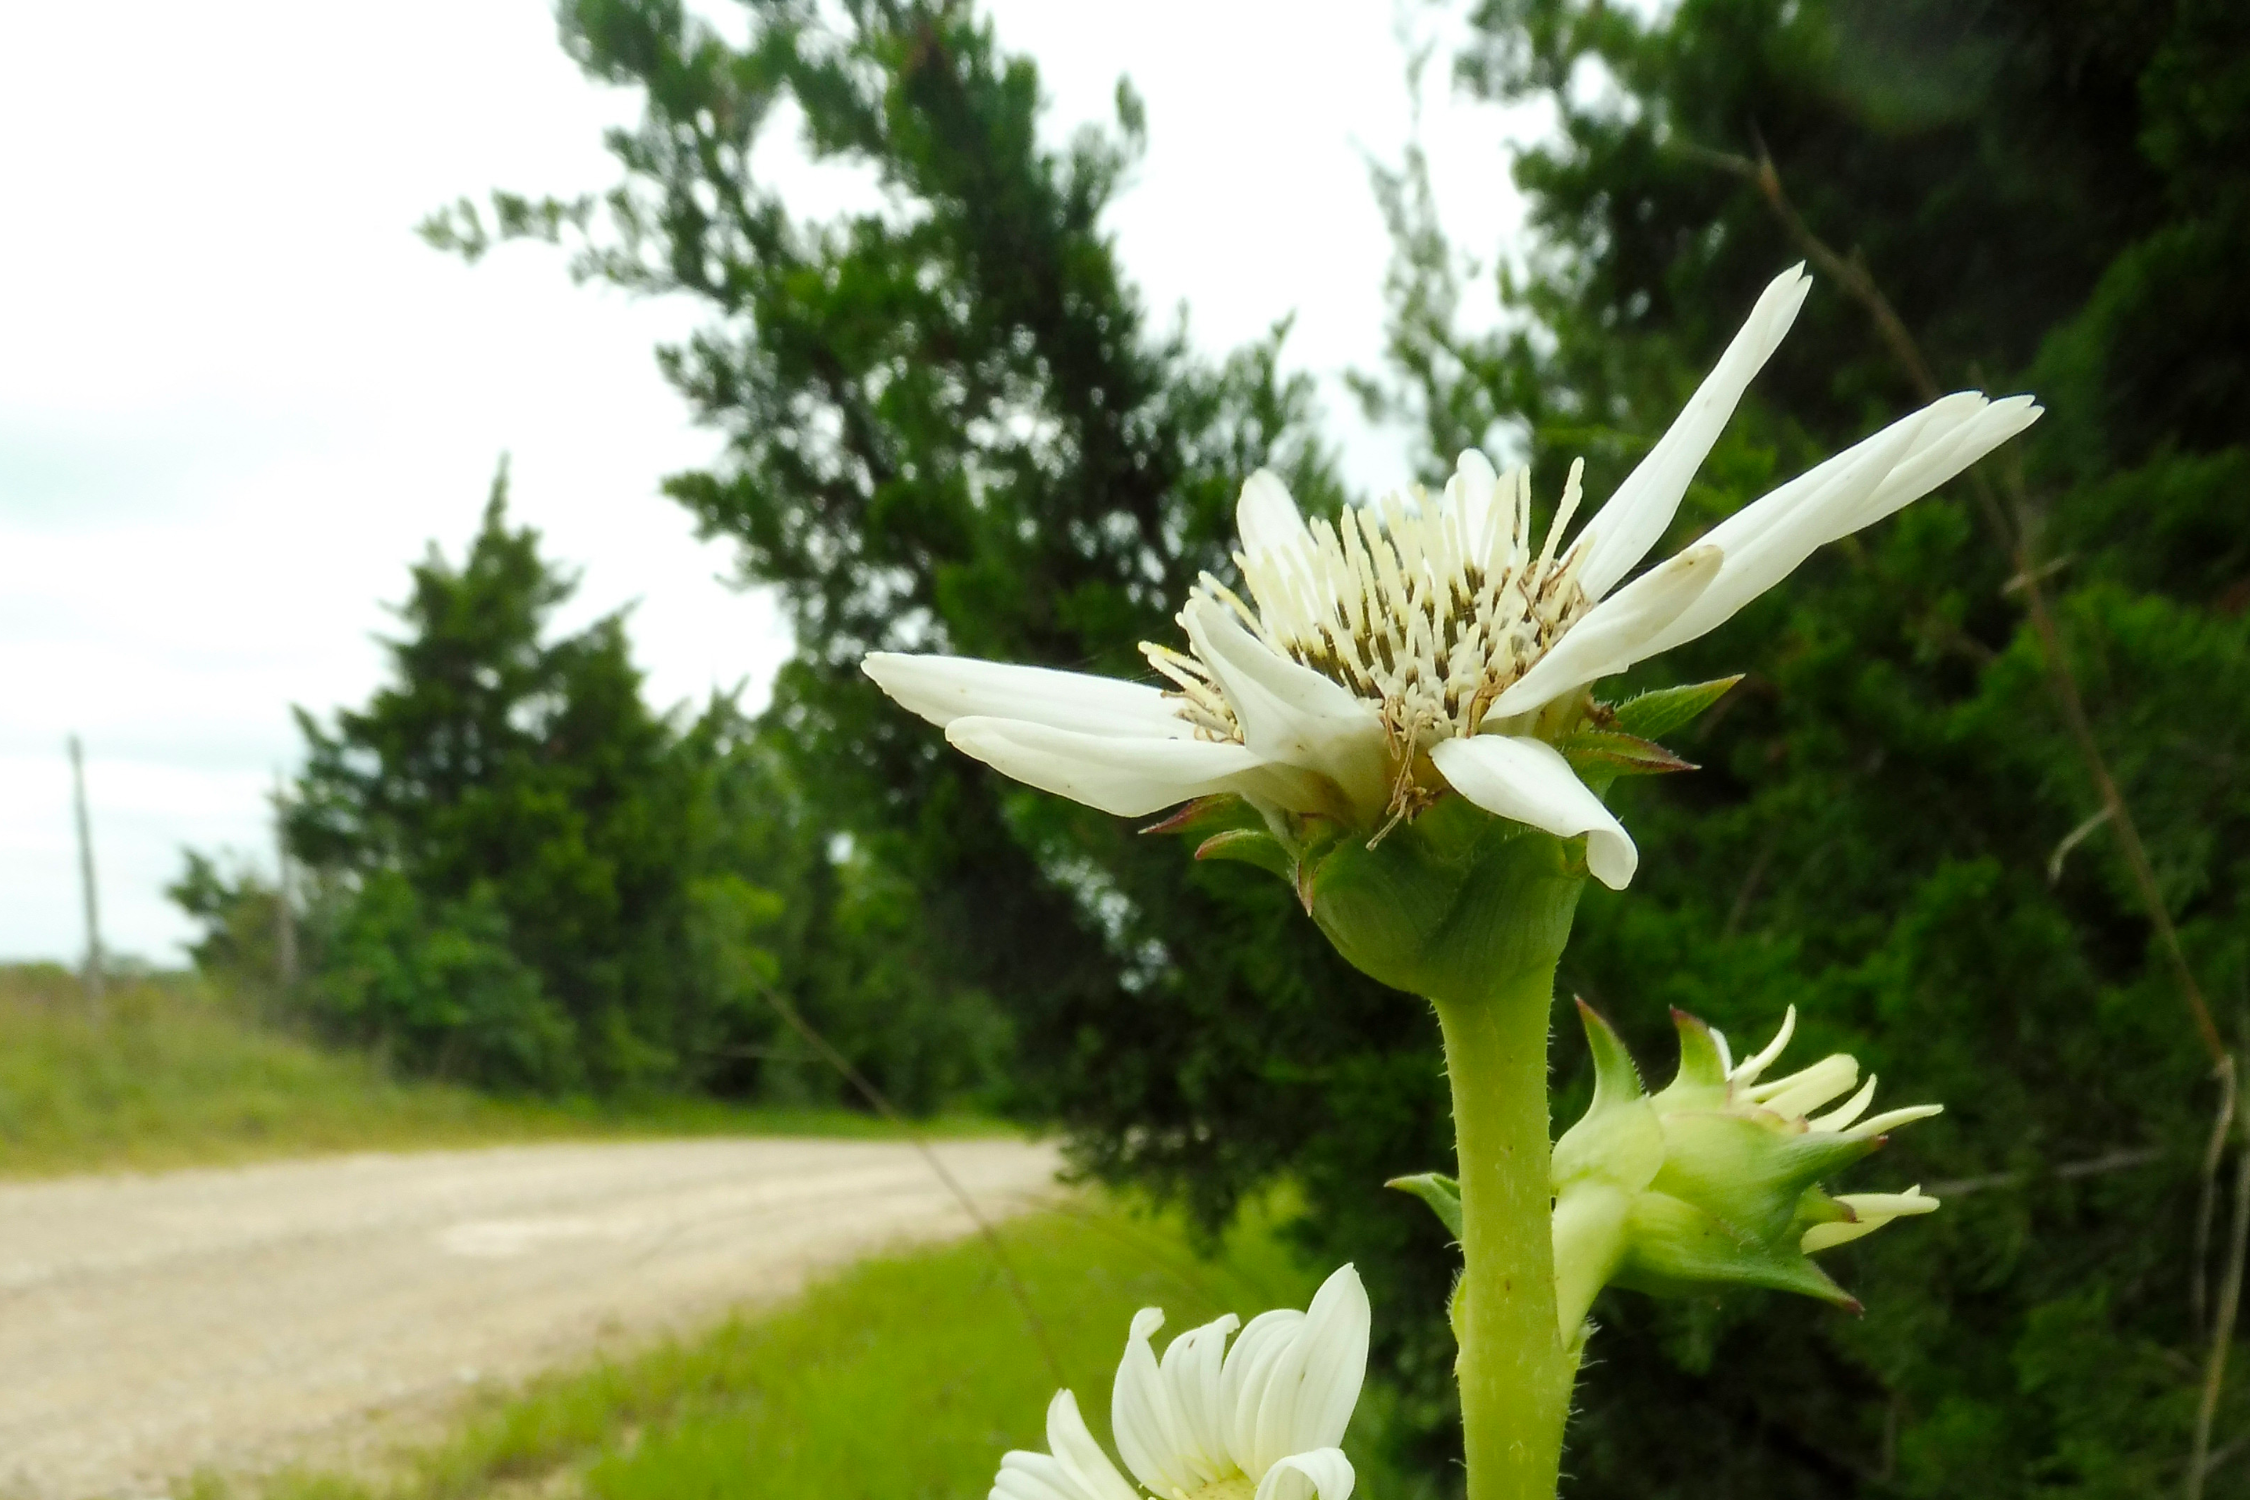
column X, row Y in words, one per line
column 1728, row 1194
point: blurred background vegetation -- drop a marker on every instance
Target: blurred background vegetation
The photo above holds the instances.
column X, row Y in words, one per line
column 1981, row 808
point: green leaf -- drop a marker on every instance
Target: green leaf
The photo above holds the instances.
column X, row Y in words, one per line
column 1442, row 1193
column 1619, row 754
column 1675, row 1249
column 1666, row 709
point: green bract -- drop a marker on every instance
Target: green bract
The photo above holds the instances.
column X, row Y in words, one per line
column 1441, row 906
column 1714, row 1181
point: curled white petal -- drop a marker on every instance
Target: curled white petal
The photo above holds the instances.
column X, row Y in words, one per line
column 1165, row 1417
column 1615, row 633
column 1248, row 1378
column 1846, row 1112
column 1751, row 1067
column 1870, row 1212
column 1620, row 535
column 1334, row 1341
column 1075, row 1468
column 1121, row 775
column 1323, row 1474
column 1936, row 460
column 1289, row 713
column 1034, row 1476
column 1802, row 1092
column 1266, row 519
column 1291, row 1381
column 1193, row 1365
column 1472, row 494
column 944, row 688
column 1766, row 540
column 1529, row 781
column 1891, row 1119
column 1141, row 1414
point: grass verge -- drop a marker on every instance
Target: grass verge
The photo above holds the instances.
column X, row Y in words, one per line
column 903, row 1378
column 172, row 1076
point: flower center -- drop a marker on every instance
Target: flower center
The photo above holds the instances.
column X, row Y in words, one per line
column 1428, row 611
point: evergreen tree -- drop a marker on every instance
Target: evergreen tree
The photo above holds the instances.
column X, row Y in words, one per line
column 950, row 428
column 518, row 823
column 1896, row 828
column 519, row 875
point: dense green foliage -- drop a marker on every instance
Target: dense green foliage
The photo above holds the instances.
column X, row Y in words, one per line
column 518, row 874
column 2048, row 197
column 951, row 429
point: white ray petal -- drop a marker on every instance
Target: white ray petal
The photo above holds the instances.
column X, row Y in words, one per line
column 1192, row 1367
column 1846, row 1112
column 1871, row 1211
column 1766, row 540
column 1289, row 713
column 1034, row 1476
column 1801, row 1093
column 1470, row 493
column 1891, row 1119
column 1243, row 1385
column 1151, row 1431
column 1323, row 1474
column 1267, row 520
column 1127, row 777
column 1620, row 535
column 1613, row 634
column 1763, row 1059
column 1335, row 1341
column 1935, row 462
column 1529, row 781
column 1074, row 1469
column 944, row 688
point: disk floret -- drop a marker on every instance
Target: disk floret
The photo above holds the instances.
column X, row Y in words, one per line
column 1427, row 609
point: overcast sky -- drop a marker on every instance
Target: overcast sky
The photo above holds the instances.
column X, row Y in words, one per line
column 238, row 396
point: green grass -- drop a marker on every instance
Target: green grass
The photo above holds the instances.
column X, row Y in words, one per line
column 173, row 1076
column 903, row 1378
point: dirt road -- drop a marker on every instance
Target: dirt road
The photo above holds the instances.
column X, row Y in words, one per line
column 301, row 1310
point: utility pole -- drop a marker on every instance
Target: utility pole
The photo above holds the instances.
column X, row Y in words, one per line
column 93, row 972
column 284, row 891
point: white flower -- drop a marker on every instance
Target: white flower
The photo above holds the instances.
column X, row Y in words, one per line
column 1259, row 1421
column 1424, row 645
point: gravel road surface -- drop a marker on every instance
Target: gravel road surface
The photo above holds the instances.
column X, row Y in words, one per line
column 299, row 1311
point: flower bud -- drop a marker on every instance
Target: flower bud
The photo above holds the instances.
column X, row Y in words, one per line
column 1714, row 1181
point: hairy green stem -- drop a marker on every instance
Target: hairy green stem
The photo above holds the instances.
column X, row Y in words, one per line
column 1514, row 1370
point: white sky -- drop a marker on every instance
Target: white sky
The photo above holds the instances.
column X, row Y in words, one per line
column 238, row 396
